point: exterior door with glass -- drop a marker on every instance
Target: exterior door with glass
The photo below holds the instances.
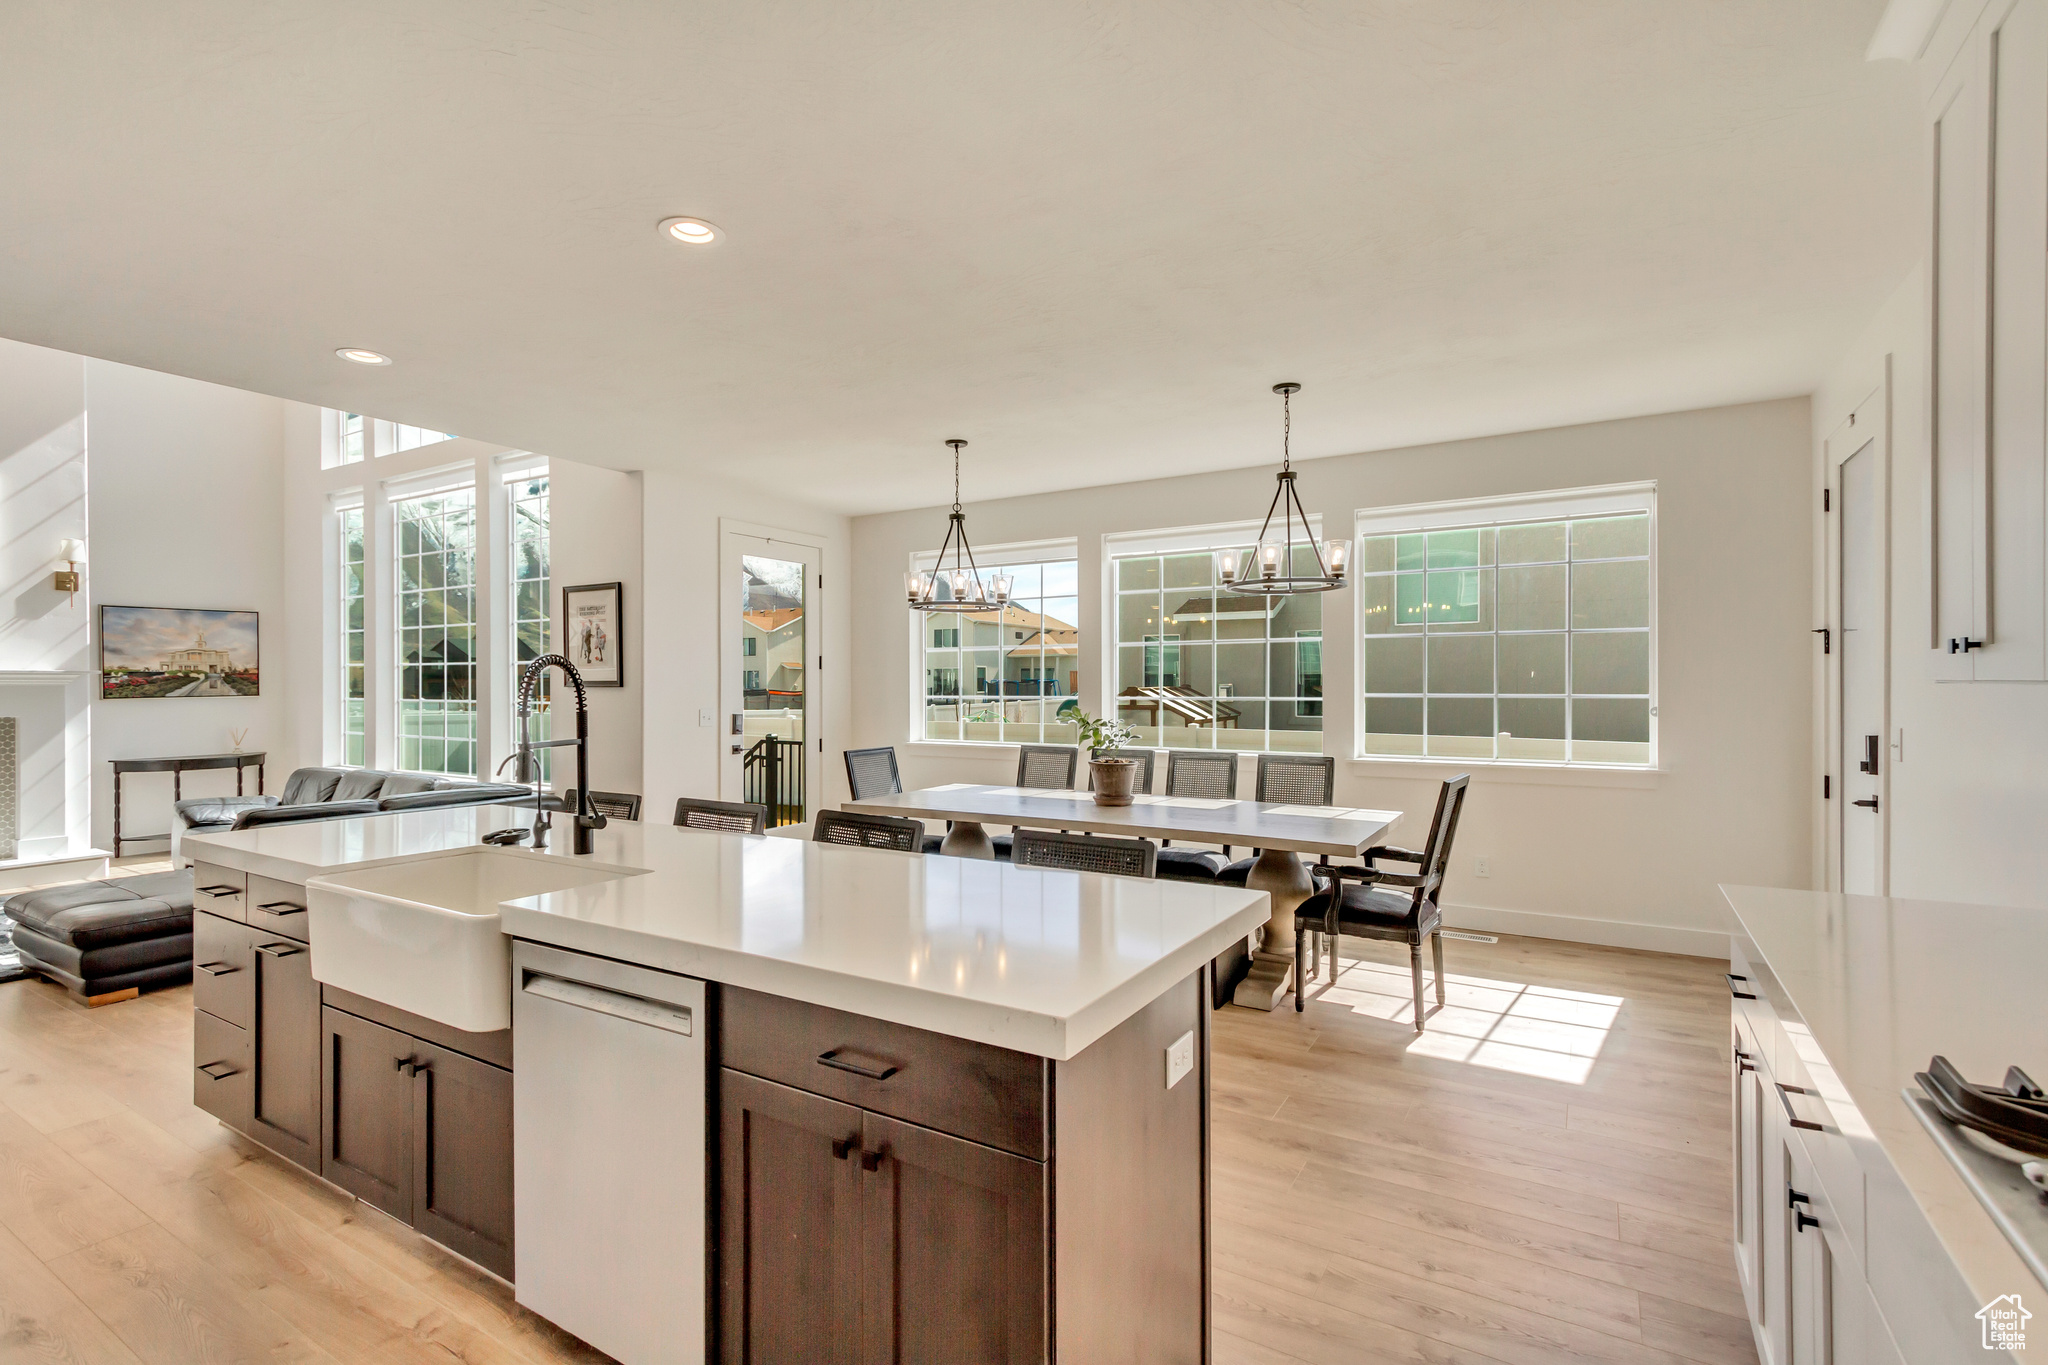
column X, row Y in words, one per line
column 772, row 737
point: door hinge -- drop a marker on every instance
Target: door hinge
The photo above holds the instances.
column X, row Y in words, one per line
column 1827, row 787
column 821, row 744
column 1827, row 499
column 1827, row 639
column 821, row 582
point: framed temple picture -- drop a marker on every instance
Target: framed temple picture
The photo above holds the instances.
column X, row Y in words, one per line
column 177, row 652
column 594, row 632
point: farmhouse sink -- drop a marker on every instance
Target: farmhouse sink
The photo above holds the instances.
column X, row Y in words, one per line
column 424, row 936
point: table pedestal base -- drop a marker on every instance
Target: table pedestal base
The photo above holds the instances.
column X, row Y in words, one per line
column 968, row 840
column 1282, row 876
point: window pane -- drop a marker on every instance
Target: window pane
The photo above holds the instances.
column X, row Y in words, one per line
column 1461, row 663
column 1138, row 615
column 1376, row 555
column 1197, row 668
column 1191, row 614
column 1532, row 543
column 1611, row 537
column 1454, row 598
column 1454, row 549
column 1534, row 663
column 1532, row 730
column 1393, row 725
column 1468, row 716
column 1532, row 598
column 1190, row 571
column 1394, row 664
column 1061, row 578
column 1377, row 604
column 1137, row 572
column 1242, row 617
column 1611, row 720
column 1612, row 594
column 1618, row 663
column 1241, row 670
column 1409, row 551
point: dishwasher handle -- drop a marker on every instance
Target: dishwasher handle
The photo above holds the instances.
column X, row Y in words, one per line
column 636, row 1009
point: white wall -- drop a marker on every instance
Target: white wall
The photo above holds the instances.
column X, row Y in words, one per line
column 594, row 530
column 1968, row 789
column 185, row 481
column 1602, row 857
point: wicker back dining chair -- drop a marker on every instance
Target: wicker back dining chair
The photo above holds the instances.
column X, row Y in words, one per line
column 859, row 830
column 872, row 772
column 611, row 805
column 1047, row 765
column 1204, row 776
column 730, row 817
column 1297, row 779
column 1371, row 902
column 1083, row 853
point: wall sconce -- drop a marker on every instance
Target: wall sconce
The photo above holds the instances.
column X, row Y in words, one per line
column 72, row 552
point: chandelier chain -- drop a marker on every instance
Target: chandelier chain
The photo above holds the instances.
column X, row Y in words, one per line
column 1286, row 431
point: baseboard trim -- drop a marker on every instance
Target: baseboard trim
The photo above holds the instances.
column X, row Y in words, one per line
column 17, row 873
column 1653, row 938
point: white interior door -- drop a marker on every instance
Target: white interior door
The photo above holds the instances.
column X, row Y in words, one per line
column 1862, row 757
column 772, row 646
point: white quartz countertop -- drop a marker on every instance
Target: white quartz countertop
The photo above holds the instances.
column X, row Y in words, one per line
column 1883, row 984
column 1037, row 960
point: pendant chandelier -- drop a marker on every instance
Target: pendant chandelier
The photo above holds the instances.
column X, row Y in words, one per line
column 1272, row 570
column 966, row 591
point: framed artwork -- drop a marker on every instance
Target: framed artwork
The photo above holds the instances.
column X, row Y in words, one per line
column 177, row 652
column 594, row 632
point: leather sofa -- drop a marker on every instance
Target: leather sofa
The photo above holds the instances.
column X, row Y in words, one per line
column 334, row 793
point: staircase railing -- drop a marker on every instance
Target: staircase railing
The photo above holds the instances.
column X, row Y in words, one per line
column 773, row 776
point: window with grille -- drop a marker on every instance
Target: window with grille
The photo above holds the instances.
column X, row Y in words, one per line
column 349, row 521
column 532, row 618
column 1005, row 677
column 1522, row 632
column 1200, row 665
column 436, row 631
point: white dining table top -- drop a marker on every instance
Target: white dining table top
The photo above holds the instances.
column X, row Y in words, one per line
column 1335, row 830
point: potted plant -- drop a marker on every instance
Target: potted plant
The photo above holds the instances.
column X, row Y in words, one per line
column 1116, row 778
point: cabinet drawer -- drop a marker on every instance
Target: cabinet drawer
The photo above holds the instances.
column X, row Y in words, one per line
column 986, row 1094
column 276, row 907
column 223, row 969
column 222, row 1083
column 220, row 891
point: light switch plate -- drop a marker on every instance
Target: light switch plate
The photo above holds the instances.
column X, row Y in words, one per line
column 1180, row 1058
column 706, row 719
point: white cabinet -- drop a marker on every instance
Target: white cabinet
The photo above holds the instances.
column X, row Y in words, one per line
column 1987, row 492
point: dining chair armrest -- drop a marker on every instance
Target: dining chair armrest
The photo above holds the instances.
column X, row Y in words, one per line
column 1400, row 879
column 1343, row 872
column 1402, row 855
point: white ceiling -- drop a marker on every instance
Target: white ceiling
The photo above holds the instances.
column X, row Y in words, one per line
column 1087, row 237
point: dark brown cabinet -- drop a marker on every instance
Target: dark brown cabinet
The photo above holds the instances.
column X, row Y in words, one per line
column 891, row 1195
column 285, row 1037
column 421, row 1132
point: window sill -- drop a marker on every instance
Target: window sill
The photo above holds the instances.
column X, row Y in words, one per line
column 960, row 748
column 1511, row 774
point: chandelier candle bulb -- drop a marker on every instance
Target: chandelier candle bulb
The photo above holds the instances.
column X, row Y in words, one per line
column 1269, row 560
column 1337, row 552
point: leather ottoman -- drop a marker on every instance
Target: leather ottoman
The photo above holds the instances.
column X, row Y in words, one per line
column 106, row 941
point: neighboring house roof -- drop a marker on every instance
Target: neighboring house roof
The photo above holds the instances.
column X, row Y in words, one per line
column 774, row 618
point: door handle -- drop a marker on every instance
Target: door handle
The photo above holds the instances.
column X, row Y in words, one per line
column 1869, row 803
column 1785, row 1094
column 279, row 949
column 832, row 1060
column 222, row 1074
column 216, row 968
column 1735, row 990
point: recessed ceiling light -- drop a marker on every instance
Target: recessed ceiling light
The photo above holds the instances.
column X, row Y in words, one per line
column 692, row 231
column 363, row 357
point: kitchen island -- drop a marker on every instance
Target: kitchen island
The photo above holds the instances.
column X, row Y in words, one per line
column 852, row 1104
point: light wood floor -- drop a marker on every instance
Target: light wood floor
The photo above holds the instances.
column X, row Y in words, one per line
column 1373, row 1203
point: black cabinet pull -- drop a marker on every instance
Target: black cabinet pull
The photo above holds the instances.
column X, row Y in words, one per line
column 216, row 968
column 841, row 1146
column 1735, row 990
column 832, row 1059
column 871, row 1161
column 1868, row 803
column 408, row 1065
column 279, row 949
column 1785, row 1094
column 1793, row 1198
column 220, row 890
column 1805, row 1221
column 283, row 908
column 222, row 1074
column 1743, row 1059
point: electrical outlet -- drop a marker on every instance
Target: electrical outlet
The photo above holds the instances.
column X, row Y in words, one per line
column 706, row 719
column 1482, row 867
column 1180, row 1059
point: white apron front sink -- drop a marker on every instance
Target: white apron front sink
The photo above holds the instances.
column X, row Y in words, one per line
column 424, row 936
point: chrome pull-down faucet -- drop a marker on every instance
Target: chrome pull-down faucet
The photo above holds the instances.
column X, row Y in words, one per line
column 587, row 816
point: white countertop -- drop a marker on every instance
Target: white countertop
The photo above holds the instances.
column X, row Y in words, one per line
column 1037, row 960
column 1882, row 985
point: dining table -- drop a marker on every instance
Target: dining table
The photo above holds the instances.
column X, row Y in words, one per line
column 1281, row 832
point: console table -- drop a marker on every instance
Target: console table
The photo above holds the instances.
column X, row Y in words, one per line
column 177, row 768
